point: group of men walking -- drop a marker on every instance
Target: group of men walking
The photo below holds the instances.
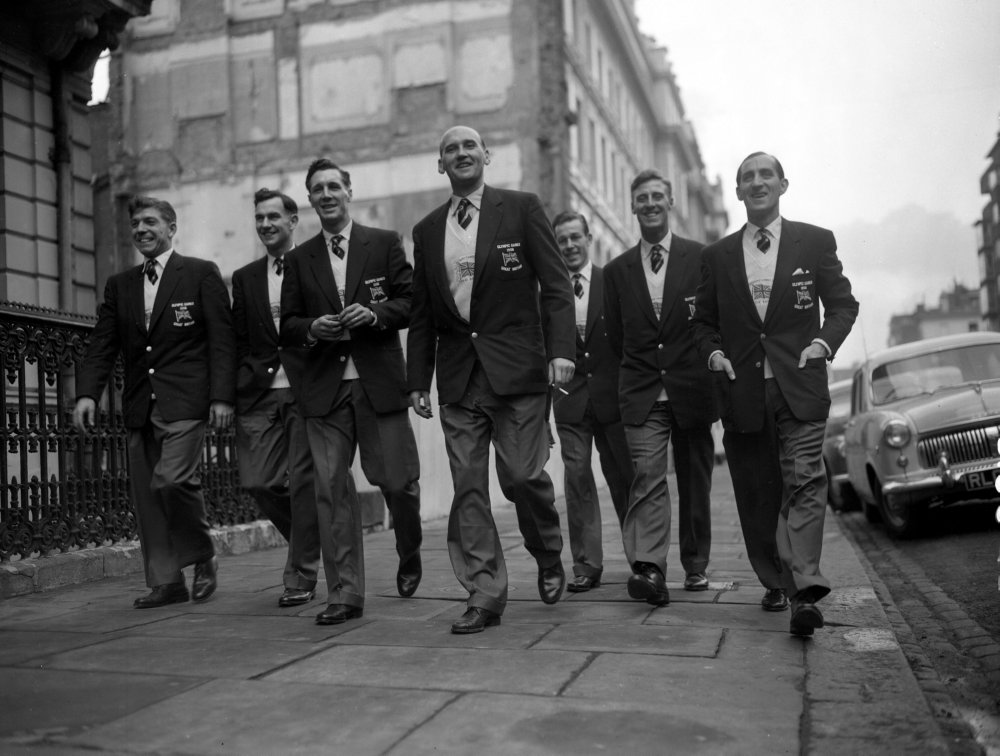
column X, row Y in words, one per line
column 513, row 318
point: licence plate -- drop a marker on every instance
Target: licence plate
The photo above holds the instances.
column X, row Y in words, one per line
column 980, row 479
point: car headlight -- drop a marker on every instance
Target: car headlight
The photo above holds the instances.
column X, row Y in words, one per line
column 896, row 434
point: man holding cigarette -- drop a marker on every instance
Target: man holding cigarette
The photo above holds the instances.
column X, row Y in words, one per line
column 493, row 315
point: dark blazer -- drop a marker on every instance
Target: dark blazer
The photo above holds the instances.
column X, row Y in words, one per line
column 596, row 376
column 258, row 353
column 187, row 357
column 378, row 277
column 807, row 272
column 522, row 311
column 658, row 353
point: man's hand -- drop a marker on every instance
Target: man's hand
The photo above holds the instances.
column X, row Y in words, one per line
column 811, row 352
column 327, row 328
column 718, row 363
column 355, row 315
column 220, row 415
column 560, row 371
column 84, row 414
column 421, row 403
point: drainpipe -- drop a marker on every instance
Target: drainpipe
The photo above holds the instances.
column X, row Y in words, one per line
column 62, row 159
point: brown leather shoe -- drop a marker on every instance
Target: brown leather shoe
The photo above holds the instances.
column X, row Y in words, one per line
column 205, row 583
column 475, row 620
column 648, row 583
column 336, row 614
column 296, row 597
column 774, row 600
column 161, row 595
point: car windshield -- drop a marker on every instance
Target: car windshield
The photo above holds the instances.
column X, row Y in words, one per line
column 927, row 373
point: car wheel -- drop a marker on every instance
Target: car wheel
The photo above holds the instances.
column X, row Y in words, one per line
column 901, row 518
column 871, row 509
column 849, row 499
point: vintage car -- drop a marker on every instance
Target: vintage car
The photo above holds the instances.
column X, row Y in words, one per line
column 840, row 494
column 924, row 428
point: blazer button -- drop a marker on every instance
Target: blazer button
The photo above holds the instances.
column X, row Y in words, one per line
column 475, row 335
column 151, row 371
column 343, row 358
column 763, row 336
column 270, row 370
column 590, row 375
column 756, row 364
column 663, row 372
column 279, row 348
column 149, row 349
column 586, row 354
column 659, row 346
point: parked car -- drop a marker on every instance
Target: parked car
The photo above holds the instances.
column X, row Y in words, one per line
column 840, row 494
column 924, row 428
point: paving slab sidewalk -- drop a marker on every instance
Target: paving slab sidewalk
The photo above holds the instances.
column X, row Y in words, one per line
column 596, row 673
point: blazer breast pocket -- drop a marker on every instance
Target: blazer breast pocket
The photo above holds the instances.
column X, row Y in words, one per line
column 509, row 260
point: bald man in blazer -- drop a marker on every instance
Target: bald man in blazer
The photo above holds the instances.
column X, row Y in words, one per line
column 759, row 329
column 664, row 392
column 493, row 316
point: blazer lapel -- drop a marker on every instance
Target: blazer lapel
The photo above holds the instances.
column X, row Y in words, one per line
column 671, row 277
column 596, row 300
column 356, row 259
column 738, row 274
column 322, row 269
column 137, row 298
column 788, row 253
column 171, row 276
column 490, row 214
column 434, row 255
column 261, row 295
column 640, row 289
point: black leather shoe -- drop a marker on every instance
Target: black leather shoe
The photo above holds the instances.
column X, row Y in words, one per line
column 647, row 583
column 806, row 617
column 582, row 584
column 475, row 620
column 161, row 595
column 336, row 614
column 551, row 581
column 408, row 576
column 204, row 579
column 696, row 581
column 774, row 600
column 296, row 597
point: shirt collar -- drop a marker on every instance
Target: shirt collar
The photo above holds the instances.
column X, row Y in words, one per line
column 161, row 258
column 773, row 228
column 345, row 232
column 586, row 271
column 475, row 199
column 647, row 247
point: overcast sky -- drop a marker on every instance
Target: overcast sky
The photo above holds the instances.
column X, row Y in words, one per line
column 871, row 106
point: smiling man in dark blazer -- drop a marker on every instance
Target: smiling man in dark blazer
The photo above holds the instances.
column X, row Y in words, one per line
column 586, row 410
column 169, row 319
column 272, row 447
column 759, row 329
column 345, row 296
column 493, row 314
column 664, row 392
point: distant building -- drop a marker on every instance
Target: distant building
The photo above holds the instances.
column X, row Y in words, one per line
column 988, row 231
column 212, row 99
column 957, row 312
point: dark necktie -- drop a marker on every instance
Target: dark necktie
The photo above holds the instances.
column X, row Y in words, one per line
column 656, row 258
column 279, row 265
column 463, row 214
column 763, row 242
column 150, row 270
column 335, row 246
column 577, row 286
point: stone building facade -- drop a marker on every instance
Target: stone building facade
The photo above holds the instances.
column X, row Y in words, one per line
column 988, row 232
column 48, row 48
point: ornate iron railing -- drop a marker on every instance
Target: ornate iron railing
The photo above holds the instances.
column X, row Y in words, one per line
column 60, row 490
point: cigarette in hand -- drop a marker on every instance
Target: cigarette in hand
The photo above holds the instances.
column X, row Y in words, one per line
column 560, row 389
